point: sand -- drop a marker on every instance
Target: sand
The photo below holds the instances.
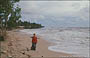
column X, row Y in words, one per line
column 18, row 45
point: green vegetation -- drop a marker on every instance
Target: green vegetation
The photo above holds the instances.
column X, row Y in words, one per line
column 34, row 25
column 9, row 15
column 28, row 25
column 14, row 19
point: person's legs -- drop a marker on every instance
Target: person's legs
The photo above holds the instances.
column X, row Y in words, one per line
column 32, row 48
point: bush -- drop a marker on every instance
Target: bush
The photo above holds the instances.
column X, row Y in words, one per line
column 1, row 38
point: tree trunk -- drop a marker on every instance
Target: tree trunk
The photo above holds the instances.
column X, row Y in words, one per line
column 5, row 27
column 1, row 25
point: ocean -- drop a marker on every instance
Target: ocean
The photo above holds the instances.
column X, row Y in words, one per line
column 71, row 40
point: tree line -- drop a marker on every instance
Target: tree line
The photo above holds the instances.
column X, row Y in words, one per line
column 28, row 25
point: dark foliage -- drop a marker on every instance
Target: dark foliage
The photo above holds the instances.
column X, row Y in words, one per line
column 28, row 25
column 1, row 38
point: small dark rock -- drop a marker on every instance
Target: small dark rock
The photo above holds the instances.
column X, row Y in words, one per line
column 42, row 56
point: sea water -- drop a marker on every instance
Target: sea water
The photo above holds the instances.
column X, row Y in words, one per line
column 67, row 40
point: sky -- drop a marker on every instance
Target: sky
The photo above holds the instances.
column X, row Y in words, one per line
column 56, row 13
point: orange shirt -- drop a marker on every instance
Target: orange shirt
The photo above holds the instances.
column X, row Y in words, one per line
column 34, row 39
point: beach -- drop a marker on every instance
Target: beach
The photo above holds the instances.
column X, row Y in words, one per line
column 60, row 28
column 18, row 45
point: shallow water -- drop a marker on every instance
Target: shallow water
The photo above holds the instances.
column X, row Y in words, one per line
column 67, row 40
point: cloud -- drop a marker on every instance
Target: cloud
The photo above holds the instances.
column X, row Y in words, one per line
column 55, row 10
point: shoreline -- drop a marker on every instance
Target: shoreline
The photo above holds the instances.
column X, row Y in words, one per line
column 18, row 45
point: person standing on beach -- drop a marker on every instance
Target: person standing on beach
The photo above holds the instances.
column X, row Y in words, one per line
column 34, row 42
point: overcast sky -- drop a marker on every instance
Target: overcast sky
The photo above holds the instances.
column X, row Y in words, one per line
column 56, row 13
